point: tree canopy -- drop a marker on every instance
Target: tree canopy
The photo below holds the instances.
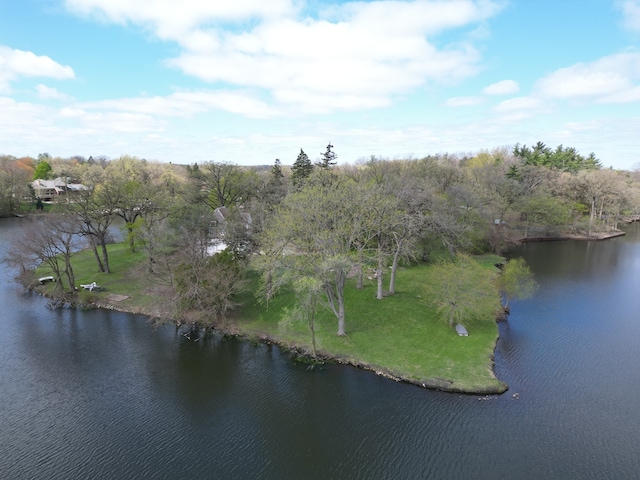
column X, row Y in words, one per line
column 42, row 171
column 465, row 292
column 562, row 158
column 516, row 281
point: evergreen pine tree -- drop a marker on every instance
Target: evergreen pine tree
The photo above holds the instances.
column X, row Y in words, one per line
column 276, row 172
column 301, row 168
column 328, row 158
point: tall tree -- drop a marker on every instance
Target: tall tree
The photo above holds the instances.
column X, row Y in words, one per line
column 328, row 158
column 126, row 190
column 276, row 172
column 275, row 187
column 151, row 231
column 42, row 171
column 308, row 293
column 311, row 235
column 95, row 219
column 301, row 169
column 50, row 240
column 14, row 178
column 206, row 288
column 516, row 281
column 594, row 188
column 464, row 291
column 223, row 184
column 545, row 210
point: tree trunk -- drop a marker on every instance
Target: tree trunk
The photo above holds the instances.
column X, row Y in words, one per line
column 341, row 321
column 380, row 274
column 593, row 213
column 105, row 258
column 132, row 243
column 394, row 267
column 94, row 247
column 601, row 209
column 70, row 275
column 312, row 325
column 340, row 280
column 359, row 282
column 379, row 294
column 360, row 278
column 336, row 298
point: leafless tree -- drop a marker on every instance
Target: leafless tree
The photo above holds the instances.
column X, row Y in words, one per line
column 48, row 240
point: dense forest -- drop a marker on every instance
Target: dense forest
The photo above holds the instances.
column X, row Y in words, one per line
column 307, row 226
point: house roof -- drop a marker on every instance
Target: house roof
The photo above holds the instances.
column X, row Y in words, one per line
column 57, row 184
column 221, row 213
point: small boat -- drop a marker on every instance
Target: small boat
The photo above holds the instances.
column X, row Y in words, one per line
column 44, row 280
column 461, row 330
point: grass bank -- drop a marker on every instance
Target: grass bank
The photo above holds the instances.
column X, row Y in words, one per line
column 400, row 336
column 126, row 288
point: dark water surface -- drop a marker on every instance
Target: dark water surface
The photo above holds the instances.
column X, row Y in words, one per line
column 105, row 395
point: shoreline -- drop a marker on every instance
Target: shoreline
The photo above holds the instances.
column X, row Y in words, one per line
column 301, row 351
column 559, row 238
column 440, row 384
column 153, row 313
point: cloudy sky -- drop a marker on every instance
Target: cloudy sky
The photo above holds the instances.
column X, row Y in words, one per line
column 249, row 81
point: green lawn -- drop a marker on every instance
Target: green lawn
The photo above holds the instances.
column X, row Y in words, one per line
column 122, row 280
column 399, row 335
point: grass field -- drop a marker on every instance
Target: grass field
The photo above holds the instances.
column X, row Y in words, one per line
column 400, row 336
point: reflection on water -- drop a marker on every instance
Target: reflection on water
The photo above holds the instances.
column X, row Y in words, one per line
column 102, row 394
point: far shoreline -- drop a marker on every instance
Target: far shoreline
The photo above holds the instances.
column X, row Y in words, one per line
column 578, row 237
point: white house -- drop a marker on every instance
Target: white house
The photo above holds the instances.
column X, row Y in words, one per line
column 50, row 189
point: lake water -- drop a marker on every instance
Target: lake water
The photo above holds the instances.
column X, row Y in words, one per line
column 105, row 395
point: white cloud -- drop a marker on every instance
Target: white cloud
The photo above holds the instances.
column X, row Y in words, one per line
column 612, row 77
column 47, row 93
column 187, row 104
column 27, row 126
column 170, row 21
column 503, row 87
column 520, row 108
column 307, row 63
column 13, row 113
column 631, row 14
column 358, row 55
column 415, row 17
column 464, row 101
column 630, row 95
column 518, row 104
column 20, row 63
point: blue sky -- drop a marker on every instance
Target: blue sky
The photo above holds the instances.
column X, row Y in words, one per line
column 249, row 81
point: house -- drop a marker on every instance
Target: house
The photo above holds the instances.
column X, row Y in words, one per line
column 49, row 189
column 221, row 214
column 218, row 230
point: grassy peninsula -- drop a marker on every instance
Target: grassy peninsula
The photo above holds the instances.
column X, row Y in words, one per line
column 401, row 336
column 298, row 233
